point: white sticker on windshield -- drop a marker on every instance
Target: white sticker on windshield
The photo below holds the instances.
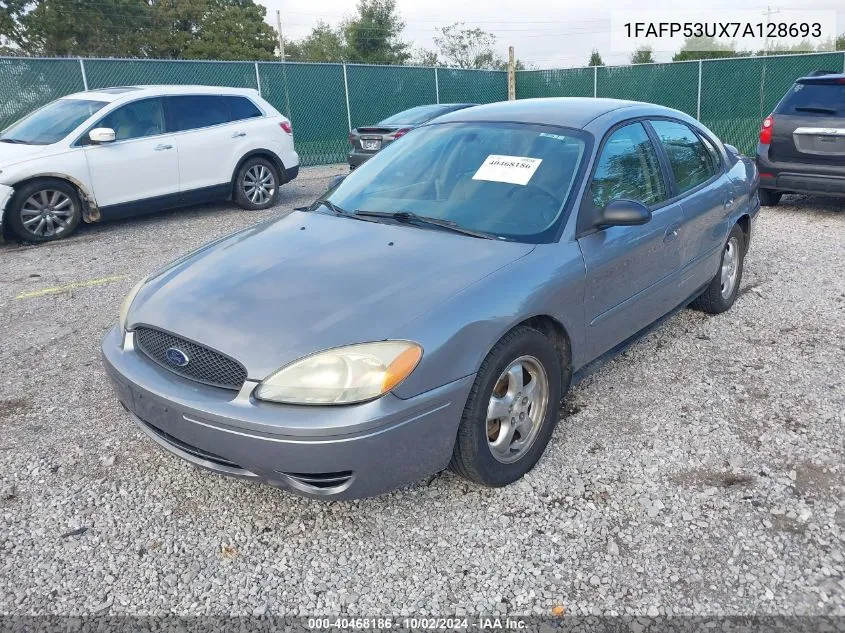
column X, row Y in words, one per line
column 516, row 170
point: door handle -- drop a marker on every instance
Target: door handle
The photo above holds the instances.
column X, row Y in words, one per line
column 672, row 232
column 160, row 148
column 238, row 134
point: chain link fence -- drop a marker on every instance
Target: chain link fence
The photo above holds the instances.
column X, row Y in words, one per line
column 730, row 96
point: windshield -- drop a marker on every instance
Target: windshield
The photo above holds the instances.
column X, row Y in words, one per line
column 53, row 122
column 509, row 180
column 415, row 116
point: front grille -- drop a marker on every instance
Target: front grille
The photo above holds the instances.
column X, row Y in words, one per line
column 204, row 365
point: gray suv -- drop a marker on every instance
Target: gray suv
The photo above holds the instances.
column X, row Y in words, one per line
column 802, row 143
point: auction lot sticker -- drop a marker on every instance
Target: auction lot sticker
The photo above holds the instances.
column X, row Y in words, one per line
column 516, row 170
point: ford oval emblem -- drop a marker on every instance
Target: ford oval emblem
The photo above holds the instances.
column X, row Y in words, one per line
column 176, row 356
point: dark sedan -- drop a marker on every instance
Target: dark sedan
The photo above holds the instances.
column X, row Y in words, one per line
column 366, row 141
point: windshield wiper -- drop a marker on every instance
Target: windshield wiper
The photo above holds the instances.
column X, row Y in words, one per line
column 408, row 217
column 17, row 141
column 820, row 109
column 331, row 206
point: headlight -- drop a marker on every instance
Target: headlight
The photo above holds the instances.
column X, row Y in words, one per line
column 127, row 303
column 343, row 375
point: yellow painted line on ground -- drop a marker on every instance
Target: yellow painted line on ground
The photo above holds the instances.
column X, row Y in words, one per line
column 71, row 286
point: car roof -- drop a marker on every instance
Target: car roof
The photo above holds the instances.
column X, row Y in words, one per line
column 822, row 77
column 575, row 112
column 118, row 93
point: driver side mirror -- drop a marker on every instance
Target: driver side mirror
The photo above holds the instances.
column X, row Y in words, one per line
column 101, row 135
column 623, row 213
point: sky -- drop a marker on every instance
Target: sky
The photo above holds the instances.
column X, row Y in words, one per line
column 546, row 34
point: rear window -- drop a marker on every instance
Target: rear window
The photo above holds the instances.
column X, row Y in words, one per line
column 814, row 98
column 241, row 108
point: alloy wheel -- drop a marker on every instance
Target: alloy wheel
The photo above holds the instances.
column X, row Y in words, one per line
column 47, row 213
column 259, row 184
column 730, row 267
column 517, row 409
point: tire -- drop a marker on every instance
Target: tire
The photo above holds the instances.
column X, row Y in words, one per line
column 769, row 198
column 474, row 456
column 44, row 210
column 258, row 171
column 721, row 294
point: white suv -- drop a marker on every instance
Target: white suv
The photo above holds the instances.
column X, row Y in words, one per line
column 118, row 151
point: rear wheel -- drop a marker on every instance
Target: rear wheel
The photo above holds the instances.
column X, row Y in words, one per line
column 44, row 210
column 769, row 198
column 511, row 410
column 257, row 184
column 722, row 291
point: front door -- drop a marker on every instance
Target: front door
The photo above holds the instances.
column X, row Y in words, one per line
column 141, row 167
column 629, row 269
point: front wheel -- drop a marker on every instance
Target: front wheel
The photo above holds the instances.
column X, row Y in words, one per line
column 44, row 210
column 257, row 184
column 511, row 410
column 722, row 291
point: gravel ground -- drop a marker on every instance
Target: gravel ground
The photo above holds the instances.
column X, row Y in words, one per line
column 701, row 471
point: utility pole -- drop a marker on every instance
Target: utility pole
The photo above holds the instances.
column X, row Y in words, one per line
column 768, row 13
column 279, row 31
column 511, row 75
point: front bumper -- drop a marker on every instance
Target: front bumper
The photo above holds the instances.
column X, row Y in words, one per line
column 341, row 452
column 6, row 193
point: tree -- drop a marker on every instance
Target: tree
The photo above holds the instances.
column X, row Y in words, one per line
column 461, row 47
column 209, row 29
column 840, row 42
column 323, row 44
column 193, row 29
column 705, row 48
column 642, row 55
column 74, row 27
column 373, row 36
column 595, row 59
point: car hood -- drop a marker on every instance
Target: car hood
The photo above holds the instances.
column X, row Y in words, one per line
column 308, row 282
column 11, row 153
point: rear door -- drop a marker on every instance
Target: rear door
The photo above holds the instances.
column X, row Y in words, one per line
column 809, row 123
column 209, row 142
column 630, row 270
column 706, row 195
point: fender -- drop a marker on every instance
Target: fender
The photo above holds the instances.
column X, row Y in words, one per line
column 90, row 210
column 259, row 152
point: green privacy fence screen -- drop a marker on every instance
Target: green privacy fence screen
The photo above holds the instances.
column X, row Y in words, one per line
column 730, row 96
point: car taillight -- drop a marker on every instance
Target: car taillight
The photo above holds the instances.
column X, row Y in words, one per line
column 351, row 138
column 286, row 126
column 766, row 130
column 401, row 132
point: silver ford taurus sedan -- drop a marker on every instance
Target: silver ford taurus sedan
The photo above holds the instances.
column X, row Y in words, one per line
column 430, row 310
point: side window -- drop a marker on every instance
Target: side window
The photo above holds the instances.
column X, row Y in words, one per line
column 138, row 119
column 691, row 162
column 714, row 153
column 241, row 108
column 628, row 169
column 191, row 112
